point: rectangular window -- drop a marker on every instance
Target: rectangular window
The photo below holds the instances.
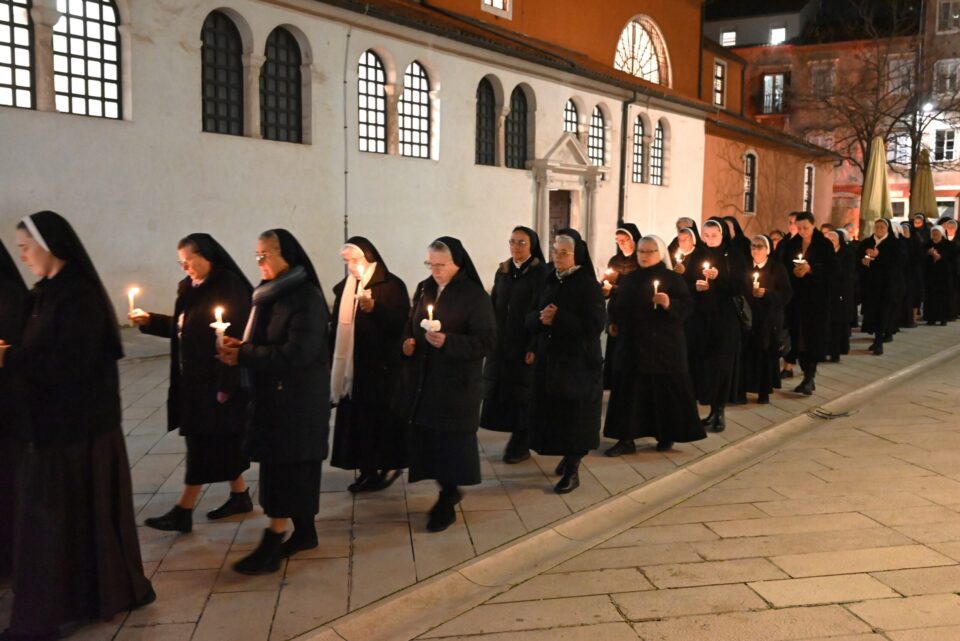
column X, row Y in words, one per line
column 900, row 74
column 945, row 149
column 773, row 84
column 778, row 35
column 638, row 150
column 949, row 16
column 749, row 184
column 719, row 83
column 808, row 172
column 948, row 76
column 500, row 7
column 656, row 157
column 898, row 150
column 728, row 38
column 822, row 76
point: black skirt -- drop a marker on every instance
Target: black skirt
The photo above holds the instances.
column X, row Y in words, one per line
column 290, row 490
column 8, row 493
column 450, row 458
column 501, row 415
column 662, row 406
column 214, row 458
column 367, row 437
column 76, row 554
column 761, row 369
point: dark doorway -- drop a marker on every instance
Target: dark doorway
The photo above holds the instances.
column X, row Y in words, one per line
column 559, row 212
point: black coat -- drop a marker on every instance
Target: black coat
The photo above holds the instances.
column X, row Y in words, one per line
column 881, row 284
column 196, row 376
column 13, row 300
column 939, row 290
column 441, row 389
column 289, row 367
column 843, row 302
column 768, row 312
column 808, row 314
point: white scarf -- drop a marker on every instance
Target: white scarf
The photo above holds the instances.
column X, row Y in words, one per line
column 341, row 375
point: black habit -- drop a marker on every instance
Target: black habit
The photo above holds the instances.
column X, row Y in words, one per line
column 762, row 346
column 618, row 266
column 842, row 301
column 881, row 284
column 939, row 275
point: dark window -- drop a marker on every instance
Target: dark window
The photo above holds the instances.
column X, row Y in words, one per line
column 414, row 108
column 222, row 55
column 516, row 131
column 86, row 59
column 638, row 150
column 571, row 118
column 486, row 124
column 372, row 103
column 656, row 156
column 16, row 54
column 808, row 188
column 596, row 149
column 749, row 183
column 281, row 102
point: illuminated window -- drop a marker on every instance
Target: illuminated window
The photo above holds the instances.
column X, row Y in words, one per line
column 749, row 183
column 642, row 52
column 728, row 38
column 515, row 128
column 86, row 58
column 486, row 153
column 719, row 83
column 571, row 118
column 372, row 103
column 808, row 173
column 281, row 103
column 16, row 54
column 656, row 156
column 222, row 74
column 414, row 111
column 778, row 35
column 638, row 150
column 773, row 88
column 596, row 147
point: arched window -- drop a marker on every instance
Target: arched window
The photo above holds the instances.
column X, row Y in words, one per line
column 86, row 58
column 486, row 153
column 638, row 150
column 750, row 183
column 414, row 110
column 642, row 52
column 656, row 156
column 372, row 103
column 571, row 118
column 16, row 54
column 222, row 75
column 596, row 147
column 281, row 102
column 516, row 131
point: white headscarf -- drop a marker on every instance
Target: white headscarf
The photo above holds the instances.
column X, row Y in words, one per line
column 877, row 240
column 939, row 228
column 661, row 247
column 341, row 374
column 766, row 241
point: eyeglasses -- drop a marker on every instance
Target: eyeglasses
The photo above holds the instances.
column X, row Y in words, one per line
column 562, row 253
column 430, row 265
column 752, row 246
column 183, row 263
column 261, row 257
column 648, row 251
column 520, row 243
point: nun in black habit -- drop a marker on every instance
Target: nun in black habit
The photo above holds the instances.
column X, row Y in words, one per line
column 881, row 265
column 688, row 241
column 737, row 238
column 450, row 330
column 653, row 394
column 508, row 371
column 369, row 311
column 620, row 264
column 205, row 400
column 76, row 553
column 913, row 246
column 842, row 302
column 568, row 371
column 938, row 275
column 682, row 223
column 284, row 353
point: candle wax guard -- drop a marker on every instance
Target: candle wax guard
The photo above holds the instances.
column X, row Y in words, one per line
column 430, row 325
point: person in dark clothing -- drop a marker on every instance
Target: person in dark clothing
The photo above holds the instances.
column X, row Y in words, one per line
column 451, row 329
column 938, row 274
column 770, row 292
column 738, row 239
column 568, row 370
column 653, row 394
column 913, row 245
column 841, row 296
column 780, row 255
column 284, row 352
column 688, row 241
column 76, row 553
column 619, row 265
column 205, row 400
column 881, row 265
column 508, row 371
column 682, row 223
column 921, row 227
column 370, row 309
column 812, row 264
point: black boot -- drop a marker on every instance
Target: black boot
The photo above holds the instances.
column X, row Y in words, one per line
column 623, row 446
column 304, row 537
column 561, row 467
column 720, row 421
column 877, row 346
column 265, row 559
column 517, row 449
column 571, row 476
column 763, row 399
column 664, row 446
column 238, row 503
column 178, row 519
column 806, row 387
column 443, row 514
column 710, row 419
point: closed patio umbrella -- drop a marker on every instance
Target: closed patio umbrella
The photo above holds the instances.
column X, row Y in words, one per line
column 875, row 200
column 923, row 200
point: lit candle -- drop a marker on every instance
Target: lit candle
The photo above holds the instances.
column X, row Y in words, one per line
column 706, row 266
column 680, row 257
column 656, row 286
column 131, row 295
column 799, row 260
column 219, row 326
column 218, row 312
column 607, row 274
column 430, row 312
column 756, row 280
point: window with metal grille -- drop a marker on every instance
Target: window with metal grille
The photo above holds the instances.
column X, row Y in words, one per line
column 638, row 150
column 656, row 156
column 642, row 51
column 372, row 103
column 486, row 153
column 414, row 111
column 281, row 101
column 773, row 84
column 16, row 54
column 719, row 83
column 749, row 183
column 596, row 147
column 571, row 118
column 516, row 131
column 222, row 75
column 808, row 173
column 86, row 58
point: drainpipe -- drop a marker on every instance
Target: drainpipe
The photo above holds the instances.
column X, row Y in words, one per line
column 624, row 124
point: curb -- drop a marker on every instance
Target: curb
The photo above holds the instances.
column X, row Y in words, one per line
column 421, row 607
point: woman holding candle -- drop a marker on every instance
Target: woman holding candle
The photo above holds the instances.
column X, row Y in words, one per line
column 568, row 371
column 76, row 553
column 205, row 400
column 442, row 386
column 619, row 265
column 370, row 309
column 881, row 263
column 938, row 274
column 284, row 352
column 653, row 396
column 688, row 240
column 682, row 223
column 508, row 372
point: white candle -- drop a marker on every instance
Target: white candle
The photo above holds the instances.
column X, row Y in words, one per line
column 706, row 266
column 430, row 312
column 218, row 313
column 680, row 257
column 219, row 326
column 656, row 287
column 131, row 295
column 756, row 280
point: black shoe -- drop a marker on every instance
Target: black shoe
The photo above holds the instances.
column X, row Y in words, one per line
column 238, row 503
column 806, row 387
column 147, row 599
column 517, row 450
column 931, row 322
column 561, row 467
column 443, row 514
column 877, row 348
column 786, row 373
column 664, row 446
column 623, row 446
column 178, row 519
column 720, row 422
column 298, row 542
column 570, row 479
column 265, row 559
column 710, row 419
column 763, row 399
column 364, row 483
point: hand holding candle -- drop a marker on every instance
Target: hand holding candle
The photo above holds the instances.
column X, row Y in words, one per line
column 656, row 287
column 131, row 301
column 428, row 323
column 756, row 280
column 219, row 326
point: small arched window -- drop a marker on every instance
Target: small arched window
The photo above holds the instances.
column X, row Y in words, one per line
column 516, row 131
column 642, row 52
column 86, row 58
column 281, row 100
column 571, row 118
column 372, row 103
column 222, row 75
column 16, row 54
column 638, row 150
column 656, row 155
column 596, row 143
column 414, row 111
column 750, row 183
column 486, row 153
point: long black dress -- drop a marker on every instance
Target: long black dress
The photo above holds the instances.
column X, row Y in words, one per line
column 842, row 302
column 76, row 555
column 880, row 284
column 913, row 279
column 808, row 317
column 762, row 346
column 938, row 281
column 620, row 265
column 653, row 394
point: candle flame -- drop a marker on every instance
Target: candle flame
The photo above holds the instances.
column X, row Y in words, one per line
column 756, row 275
column 133, row 291
column 706, row 265
column 430, row 312
column 218, row 312
column 656, row 283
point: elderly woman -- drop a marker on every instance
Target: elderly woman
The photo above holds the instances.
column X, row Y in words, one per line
column 205, row 400
column 938, row 274
column 653, row 395
column 770, row 292
column 285, row 353
column 508, row 371
column 567, row 384
column 881, row 263
column 76, row 554
column 619, row 265
column 451, row 329
column 370, row 309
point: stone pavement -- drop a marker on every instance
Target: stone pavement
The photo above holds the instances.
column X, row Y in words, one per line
column 375, row 545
